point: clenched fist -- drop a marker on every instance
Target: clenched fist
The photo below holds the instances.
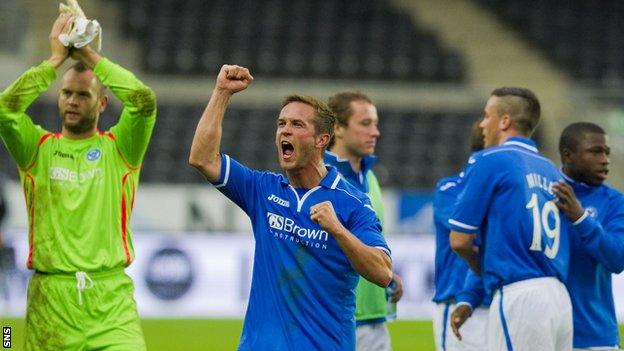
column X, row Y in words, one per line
column 323, row 213
column 233, row 79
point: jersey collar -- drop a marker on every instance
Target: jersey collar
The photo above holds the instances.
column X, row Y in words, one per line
column 330, row 180
column 522, row 142
column 577, row 186
column 344, row 167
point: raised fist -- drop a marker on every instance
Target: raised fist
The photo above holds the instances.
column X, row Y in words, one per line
column 233, row 79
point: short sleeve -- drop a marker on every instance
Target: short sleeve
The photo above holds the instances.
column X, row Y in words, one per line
column 365, row 225
column 471, row 207
column 238, row 183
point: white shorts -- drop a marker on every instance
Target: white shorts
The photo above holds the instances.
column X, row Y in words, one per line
column 372, row 337
column 473, row 332
column 536, row 316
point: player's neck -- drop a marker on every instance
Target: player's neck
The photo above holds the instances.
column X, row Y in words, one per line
column 309, row 176
column 74, row 136
column 505, row 135
column 354, row 160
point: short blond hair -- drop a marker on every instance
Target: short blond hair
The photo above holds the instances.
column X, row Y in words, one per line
column 324, row 117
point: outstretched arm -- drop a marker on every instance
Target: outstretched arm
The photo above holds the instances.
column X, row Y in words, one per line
column 17, row 130
column 134, row 128
column 370, row 262
column 207, row 140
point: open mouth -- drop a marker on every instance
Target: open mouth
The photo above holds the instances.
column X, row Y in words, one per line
column 288, row 150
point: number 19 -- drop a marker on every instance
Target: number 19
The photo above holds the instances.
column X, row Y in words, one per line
column 541, row 221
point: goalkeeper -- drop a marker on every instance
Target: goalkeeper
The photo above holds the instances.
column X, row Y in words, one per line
column 79, row 185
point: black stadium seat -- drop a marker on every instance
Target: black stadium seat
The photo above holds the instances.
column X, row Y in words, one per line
column 333, row 39
column 415, row 149
column 585, row 37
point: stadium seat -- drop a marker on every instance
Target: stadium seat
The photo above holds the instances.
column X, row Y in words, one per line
column 582, row 37
column 415, row 148
column 327, row 39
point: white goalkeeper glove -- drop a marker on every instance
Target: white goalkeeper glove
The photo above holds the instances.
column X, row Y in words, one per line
column 82, row 31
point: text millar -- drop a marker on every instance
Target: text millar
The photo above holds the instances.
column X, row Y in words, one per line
column 535, row 180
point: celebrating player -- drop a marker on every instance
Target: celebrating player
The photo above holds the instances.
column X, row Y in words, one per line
column 314, row 232
column 79, row 186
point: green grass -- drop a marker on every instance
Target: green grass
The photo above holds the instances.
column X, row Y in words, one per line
column 223, row 334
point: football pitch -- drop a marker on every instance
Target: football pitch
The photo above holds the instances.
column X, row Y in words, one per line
column 223, row 334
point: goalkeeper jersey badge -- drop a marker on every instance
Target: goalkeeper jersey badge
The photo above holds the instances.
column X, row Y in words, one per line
column 94, row 154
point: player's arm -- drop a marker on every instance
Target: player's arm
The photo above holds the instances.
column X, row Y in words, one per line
column 372, row 263
column 472, row 205
column 604, row 243
column 134, row 128
column 205, row 150
column 463, row 245
column 18, row 131
column 469, row 298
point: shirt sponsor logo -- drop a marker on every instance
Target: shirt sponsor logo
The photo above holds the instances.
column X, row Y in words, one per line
column 94, row 154
column 275, row 221
column 287, row 229
column 62, row 154
column 67, row 175
column 279, row 200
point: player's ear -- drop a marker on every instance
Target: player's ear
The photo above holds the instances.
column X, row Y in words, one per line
column 505, row 122
column 322, row 140
column 566, row 154
column 338, row 130
column 103, row 102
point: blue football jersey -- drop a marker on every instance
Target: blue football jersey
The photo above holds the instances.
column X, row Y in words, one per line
column 303, row 286
column 597, row 250
column 450, row 270
column 474, row 292
column 357, row 179
column 507, row 197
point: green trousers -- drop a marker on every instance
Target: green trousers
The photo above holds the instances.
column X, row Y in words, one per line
column 93, row 311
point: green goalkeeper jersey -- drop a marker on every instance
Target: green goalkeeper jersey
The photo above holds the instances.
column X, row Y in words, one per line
column 79, row 193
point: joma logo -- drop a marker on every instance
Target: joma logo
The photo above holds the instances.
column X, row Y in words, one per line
column 279, row 200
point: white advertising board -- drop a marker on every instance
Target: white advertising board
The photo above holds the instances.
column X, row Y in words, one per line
column 208, row 275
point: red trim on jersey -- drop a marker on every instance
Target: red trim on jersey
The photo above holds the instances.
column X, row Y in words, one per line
column 31, row 225
column 42, row 140
column 133, row 193
column 123, row 158
column 45, row 137
column 124, row 219
column 106, row 134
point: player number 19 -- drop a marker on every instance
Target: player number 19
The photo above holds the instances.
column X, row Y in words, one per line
column 540, row 220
